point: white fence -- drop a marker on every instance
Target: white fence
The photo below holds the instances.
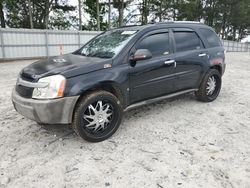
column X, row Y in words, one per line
column 33, row 43
column 232, row 46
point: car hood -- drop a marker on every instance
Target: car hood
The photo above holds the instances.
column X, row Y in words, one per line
column 68, row 65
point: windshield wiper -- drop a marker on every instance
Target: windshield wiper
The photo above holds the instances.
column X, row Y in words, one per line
column 100, row 55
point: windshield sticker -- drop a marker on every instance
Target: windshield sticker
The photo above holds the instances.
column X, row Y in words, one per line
column 128, row 32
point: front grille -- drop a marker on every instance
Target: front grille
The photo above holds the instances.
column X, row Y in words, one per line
column 24, row 91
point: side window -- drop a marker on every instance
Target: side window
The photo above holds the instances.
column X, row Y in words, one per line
column 187, row 40
column 212, row 38
column 157, row 44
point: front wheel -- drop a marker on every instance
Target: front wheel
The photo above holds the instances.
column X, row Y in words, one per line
column 210, row 86
column 97, row 116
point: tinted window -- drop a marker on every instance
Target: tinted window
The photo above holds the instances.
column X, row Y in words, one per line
column 157, row 44
column 211, row 37
column 187, row 40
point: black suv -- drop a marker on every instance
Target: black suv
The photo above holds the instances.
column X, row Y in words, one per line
column 118, row 70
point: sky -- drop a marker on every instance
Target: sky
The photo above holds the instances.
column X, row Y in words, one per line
column 247, row 39
column 73, row 2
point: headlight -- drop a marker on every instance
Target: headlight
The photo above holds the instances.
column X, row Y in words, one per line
column 54, row 88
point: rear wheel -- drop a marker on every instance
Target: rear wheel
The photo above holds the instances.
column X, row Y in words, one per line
column 210, row 87
column 97, row 116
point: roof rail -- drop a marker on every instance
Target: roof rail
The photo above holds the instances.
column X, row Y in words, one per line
column 124, row 26
column 188, row 22
column 167, row 22
column 171, row 22
column 128, row 26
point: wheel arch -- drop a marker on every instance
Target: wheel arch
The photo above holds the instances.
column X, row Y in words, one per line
column 108, row 86
column 217, row 67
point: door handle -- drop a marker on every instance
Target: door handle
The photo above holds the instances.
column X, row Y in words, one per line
column 202, row 54
column 168, row 62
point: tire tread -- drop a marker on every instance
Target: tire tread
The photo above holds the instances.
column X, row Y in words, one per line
column 201, row 93
column 81, row 103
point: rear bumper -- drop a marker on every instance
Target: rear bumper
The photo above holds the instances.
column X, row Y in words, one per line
column 54, row 111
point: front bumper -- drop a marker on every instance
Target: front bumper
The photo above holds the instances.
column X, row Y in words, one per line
column 53, row 111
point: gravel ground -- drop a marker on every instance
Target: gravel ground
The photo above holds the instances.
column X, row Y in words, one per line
column 174, row 143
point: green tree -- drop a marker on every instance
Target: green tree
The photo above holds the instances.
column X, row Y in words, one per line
column 18, row 12
column 2, row 18
column 59, row 20
column 159, row 8
column 190, row 10
column 90, row 7
column 144, row 11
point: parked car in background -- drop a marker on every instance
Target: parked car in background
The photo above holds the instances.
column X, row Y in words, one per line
column 118, row 70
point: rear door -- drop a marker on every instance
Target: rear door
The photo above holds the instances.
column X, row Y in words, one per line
column 152, row 77
column 190, row 56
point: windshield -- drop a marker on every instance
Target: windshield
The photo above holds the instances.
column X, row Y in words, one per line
column 108, row 44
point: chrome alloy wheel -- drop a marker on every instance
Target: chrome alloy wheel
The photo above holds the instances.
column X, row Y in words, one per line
column 211, row 85
column 98, row 116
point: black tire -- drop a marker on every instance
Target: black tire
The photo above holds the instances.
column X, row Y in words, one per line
column 83, row 109
column 202, row 94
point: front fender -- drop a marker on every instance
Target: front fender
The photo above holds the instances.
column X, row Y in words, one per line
column 111, row 77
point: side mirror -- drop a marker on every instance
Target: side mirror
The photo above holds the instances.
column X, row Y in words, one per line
column 141, row 54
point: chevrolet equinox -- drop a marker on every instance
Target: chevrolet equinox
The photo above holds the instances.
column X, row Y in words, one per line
column 118, row 70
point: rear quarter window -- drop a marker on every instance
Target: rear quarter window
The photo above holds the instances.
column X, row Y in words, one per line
column 212, row 39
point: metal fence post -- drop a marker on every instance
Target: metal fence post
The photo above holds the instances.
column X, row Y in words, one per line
column 79, row 39
column 46, row 43
column 2, row 43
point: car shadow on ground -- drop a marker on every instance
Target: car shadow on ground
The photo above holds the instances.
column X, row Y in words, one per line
column 64, row 131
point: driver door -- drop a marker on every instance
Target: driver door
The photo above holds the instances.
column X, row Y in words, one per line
column 155, row 76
